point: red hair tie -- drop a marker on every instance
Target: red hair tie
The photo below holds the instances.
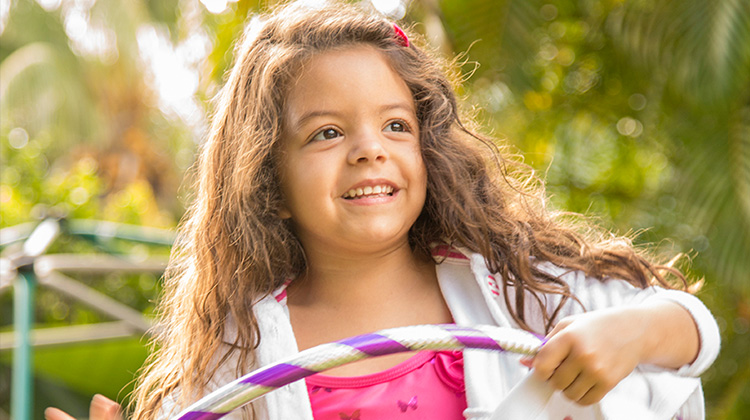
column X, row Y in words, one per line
column 400, row 36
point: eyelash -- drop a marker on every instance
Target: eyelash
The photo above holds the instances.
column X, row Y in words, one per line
column 323, row 130
column 406, row 129
column 404, row 124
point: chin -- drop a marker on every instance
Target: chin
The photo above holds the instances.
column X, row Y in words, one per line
column 380, row 240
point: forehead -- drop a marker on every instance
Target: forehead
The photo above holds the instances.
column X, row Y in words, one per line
column 358, row 74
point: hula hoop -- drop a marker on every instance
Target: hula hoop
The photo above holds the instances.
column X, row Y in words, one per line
column 330, row 355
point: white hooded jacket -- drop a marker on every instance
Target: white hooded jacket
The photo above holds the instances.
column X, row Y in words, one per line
column 497, row 385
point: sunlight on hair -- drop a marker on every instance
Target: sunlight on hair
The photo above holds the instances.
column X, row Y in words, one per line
column 313, row 4
column 253, row 28
column 394, row 9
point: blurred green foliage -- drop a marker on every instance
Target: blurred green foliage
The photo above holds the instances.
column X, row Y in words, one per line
column 636, row 113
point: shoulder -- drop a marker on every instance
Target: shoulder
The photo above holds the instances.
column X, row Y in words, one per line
column 586, row 292
column 590, row 291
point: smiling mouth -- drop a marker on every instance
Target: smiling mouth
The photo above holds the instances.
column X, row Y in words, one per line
column 376, row 191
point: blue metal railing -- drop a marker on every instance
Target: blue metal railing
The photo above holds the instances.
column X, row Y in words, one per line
column 20, row 267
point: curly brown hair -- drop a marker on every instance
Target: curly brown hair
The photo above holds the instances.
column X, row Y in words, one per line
column 234, row 249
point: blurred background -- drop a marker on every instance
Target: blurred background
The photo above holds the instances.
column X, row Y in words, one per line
column 637, row 112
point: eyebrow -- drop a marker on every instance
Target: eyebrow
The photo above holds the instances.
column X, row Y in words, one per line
column 326, row 113
column 313, row 114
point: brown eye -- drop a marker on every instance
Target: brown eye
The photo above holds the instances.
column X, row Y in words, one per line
column 396, row 126
column 326, row 134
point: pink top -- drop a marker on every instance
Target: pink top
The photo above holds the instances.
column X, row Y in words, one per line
column 429, row 385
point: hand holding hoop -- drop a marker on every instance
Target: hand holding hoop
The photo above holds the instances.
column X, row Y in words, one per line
column 327, row 356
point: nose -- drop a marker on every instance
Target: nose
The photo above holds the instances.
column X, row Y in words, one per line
column 367, row 147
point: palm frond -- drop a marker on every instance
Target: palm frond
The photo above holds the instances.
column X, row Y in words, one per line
column 701, row 47
column 497, row 34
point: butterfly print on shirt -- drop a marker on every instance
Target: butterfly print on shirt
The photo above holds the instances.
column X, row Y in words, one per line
column 405, row 406
column 354, row 416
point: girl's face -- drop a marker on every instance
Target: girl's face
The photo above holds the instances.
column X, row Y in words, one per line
column 352, row 174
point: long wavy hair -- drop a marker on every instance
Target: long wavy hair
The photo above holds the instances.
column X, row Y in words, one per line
column 233, row 248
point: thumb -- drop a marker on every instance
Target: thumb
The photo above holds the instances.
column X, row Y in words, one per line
column 102, row 408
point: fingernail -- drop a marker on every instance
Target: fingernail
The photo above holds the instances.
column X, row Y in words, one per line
column 50, row 411
column 99, row 398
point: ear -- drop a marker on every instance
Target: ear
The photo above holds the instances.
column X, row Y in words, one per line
column 284, row 213
column 282, row 210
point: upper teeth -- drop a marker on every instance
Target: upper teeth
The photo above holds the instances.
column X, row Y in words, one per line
column 359, row 192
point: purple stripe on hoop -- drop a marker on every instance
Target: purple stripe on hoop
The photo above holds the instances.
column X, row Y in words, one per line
column 472, row 341
column 201, row 415
column 279, row 375
column 374, row 344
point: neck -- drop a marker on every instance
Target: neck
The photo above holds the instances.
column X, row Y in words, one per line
column 345, row 295
column 338, row 280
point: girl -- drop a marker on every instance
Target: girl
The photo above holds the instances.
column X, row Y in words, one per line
column 341, row 192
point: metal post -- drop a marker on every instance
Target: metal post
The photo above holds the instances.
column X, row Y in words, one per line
column 23, row 317
column 22, row 385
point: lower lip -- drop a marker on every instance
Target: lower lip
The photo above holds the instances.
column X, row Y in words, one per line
column 369, row 201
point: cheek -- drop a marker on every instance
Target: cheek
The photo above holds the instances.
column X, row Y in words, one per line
column 302, row 187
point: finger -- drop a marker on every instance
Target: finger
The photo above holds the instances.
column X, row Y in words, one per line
column 594, row 395
column 527, row 361
column 550, row 357
column 579, row 387
column 565, row 374
column 52, row 413
column 560, row 326
column 102, row 408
